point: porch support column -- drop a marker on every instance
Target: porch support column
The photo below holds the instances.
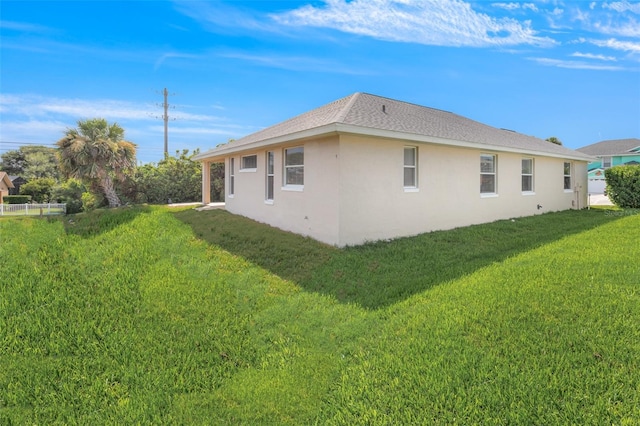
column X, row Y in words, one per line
column 206, row 182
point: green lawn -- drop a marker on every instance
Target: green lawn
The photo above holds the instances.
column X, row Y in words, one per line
column 154, row 316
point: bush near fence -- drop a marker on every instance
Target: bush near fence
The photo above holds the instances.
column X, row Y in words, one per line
column 16, row 199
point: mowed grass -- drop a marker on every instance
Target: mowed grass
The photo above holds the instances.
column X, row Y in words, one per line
column 151, row 316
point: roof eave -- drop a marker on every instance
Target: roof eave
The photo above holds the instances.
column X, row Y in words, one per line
column 231, row 148
column 220, row 152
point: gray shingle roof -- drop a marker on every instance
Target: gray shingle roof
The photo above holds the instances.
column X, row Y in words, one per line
column 611, row 147
column 366, row 114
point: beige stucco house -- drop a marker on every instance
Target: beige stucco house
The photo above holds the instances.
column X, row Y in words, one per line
column 366, row 168
column 5, row 185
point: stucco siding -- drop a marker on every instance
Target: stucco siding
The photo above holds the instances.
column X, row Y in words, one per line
column 311, row 210
column 354, row 190
column 374, row 204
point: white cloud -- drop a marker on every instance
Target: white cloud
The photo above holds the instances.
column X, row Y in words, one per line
column 111, row 110
column 171, row 55
column 557, row 11
column 592, row 56
column 622, row 6
column 575, row 64
column 296, row 63
column 507, row 6
column 627, row 46
column 24, row 27
column 624, row 29
column 613, row 18
column 178, row 130
column 432, row 22
column 218, row 17
column 38, row 119
column 32, row 130
column 39, row 106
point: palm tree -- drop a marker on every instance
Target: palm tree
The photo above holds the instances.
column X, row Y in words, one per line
column 96, row 153
column 555, row 140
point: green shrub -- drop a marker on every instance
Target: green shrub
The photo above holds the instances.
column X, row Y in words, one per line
column 623, row 186
column 70, row 193
column 16, row 199
column 39, row 189
column 90, row 201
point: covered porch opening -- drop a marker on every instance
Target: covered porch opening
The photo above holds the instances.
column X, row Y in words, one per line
column 213, row 182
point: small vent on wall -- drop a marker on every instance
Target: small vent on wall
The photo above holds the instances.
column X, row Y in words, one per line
column 384, row 109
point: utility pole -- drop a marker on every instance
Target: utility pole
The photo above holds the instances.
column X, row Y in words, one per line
column 165, row 117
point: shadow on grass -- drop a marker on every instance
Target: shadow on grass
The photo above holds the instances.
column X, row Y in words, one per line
column 100, row 221
column 379, row 274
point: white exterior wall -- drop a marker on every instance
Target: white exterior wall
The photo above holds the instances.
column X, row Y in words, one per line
column 312, row 212
column 375, row 206
column 353, row 190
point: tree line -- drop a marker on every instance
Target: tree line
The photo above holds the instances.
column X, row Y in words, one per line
column 94, row 166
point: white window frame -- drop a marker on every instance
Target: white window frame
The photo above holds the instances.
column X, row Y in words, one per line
column 270, row 177
column 606, row 162
column 414, row 167
column 493, row 173
column 287, row 167
column 567, row 176
column 243, row 167
column 529, row 175
column 232, row 177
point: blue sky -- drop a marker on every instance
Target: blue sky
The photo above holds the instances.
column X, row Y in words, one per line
column 569, row 69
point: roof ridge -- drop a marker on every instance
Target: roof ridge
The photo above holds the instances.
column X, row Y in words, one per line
column 342, row 114
column 414, row 104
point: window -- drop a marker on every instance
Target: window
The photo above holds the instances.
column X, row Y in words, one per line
column 231, row 176
column 487, row 174
column 527, row 175
column 606, row 162
column 410, row 167
column 269, row 177
column 249, row 163
column 294, row 166
column 567, row 176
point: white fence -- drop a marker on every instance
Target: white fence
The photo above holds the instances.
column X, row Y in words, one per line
column 32, row 209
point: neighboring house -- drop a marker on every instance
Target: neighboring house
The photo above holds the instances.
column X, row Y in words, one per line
column 17, row 182
column 5, row 185
column 608, row 154
column 366, row 168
